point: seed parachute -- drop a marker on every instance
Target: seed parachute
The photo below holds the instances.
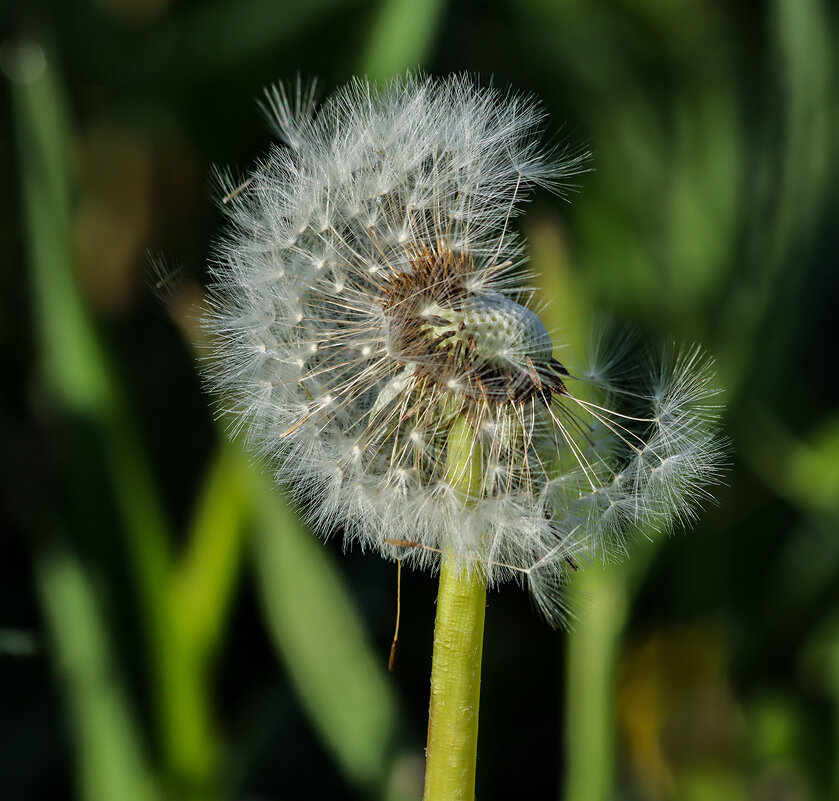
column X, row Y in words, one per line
column 369, row 297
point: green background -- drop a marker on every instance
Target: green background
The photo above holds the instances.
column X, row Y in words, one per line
column 167, row 628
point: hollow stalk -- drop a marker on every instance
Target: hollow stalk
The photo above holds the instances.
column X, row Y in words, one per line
column 452, row 747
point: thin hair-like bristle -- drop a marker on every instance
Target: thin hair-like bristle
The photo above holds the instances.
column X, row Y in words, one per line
column 370, row 291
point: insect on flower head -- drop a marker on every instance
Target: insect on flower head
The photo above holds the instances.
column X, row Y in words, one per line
column 369, row 300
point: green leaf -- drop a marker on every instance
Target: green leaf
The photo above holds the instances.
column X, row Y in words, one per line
column 72, row 363
column 111, row 761
column 311, row 615
column 205, row 576
column 80, row 380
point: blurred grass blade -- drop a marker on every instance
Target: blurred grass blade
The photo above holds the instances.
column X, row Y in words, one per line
column 799, row 33
column 201, row 587
column 205, row 576
column 593, row 649
column 311, row 615
column 802, row 30
column 600, row 595
column 703, row 202
column 602, row 600
column 804, row 471
column 111, row 762
column 81, row 380
column 401, row 36
column 72, row 362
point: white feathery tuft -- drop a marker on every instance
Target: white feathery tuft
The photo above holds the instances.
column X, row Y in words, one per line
column 369, row 293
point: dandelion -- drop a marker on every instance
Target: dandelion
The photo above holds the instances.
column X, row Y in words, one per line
column 374, row 340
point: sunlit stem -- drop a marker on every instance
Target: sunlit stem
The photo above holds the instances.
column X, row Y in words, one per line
column 452, row 746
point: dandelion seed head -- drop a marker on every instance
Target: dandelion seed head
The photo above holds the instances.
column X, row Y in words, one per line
column 368, row 294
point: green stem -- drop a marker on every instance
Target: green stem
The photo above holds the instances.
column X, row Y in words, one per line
column 593, row 650
column 452, row 747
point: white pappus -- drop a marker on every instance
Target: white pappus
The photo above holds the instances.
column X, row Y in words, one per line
column 369, row 292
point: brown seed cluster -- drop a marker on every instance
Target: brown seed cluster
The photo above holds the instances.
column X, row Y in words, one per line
column 435, row 345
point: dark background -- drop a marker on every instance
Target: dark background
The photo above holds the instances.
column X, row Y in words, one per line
column 168, row 631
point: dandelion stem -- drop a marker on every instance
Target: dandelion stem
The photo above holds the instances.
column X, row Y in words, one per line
column 452, row 747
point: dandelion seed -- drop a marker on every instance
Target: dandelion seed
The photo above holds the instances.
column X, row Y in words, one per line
column 371, row 279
